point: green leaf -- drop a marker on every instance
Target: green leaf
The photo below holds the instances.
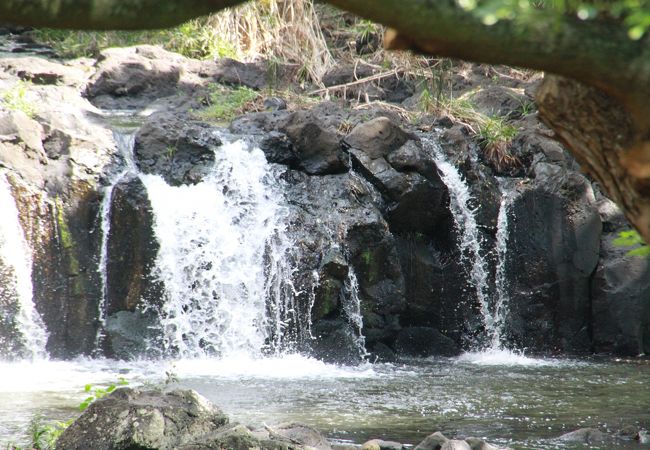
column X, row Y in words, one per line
column 88, row 387
column 640, row 251
column 628, row 239
column 83, row 405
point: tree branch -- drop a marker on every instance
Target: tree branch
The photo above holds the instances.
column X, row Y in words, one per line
column 107, row 14
column 596, row 52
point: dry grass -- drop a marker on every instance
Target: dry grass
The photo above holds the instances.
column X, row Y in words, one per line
column 287, row 31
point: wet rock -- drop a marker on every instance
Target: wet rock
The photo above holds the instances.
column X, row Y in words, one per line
column 318, row 149
column 438, row 294
column 432, row 442
column 379, row 444
column 179, row 149
column 585, row 435
column 129, row 334
column 554, row 244
column 425, row 342
column 130, row 418
column 620, row 309
column 335, row 341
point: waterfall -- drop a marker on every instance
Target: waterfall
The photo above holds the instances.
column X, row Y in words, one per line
column 124, row 142
column 501, row 278
column 469, row 240
column 352, row 309
column 223, row 258
column 16, row 255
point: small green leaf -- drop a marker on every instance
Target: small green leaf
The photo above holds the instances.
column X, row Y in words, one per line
column 88, row 387
column 640, row 251
column 83, row 405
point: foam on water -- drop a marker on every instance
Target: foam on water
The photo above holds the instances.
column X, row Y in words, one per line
column 222, row 258
column 504, row 357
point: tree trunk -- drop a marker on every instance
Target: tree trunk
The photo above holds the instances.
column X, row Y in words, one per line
column 600, row 134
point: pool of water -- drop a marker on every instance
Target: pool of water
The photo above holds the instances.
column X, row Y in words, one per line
column 508, row 399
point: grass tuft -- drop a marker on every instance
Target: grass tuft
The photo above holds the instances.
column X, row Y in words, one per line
column 223, row 103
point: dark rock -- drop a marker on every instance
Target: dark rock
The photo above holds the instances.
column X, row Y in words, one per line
column 230, row 71
column 377, row 137
column 335, row 341
column 318, row 148
column 130, row 419
column 424, row 342
column 380, row 352
column 278, row 148
column 620, row 308
column 274, row 104
column 437, row 293
column 178, row 148
column 129, row 334
column 132, row 249
column 500, row 101
column 432, row 442
column 554, row 244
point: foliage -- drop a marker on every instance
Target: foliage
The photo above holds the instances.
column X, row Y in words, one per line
column 224, row 103
column 495, row 133
column 287, row 30
column 632, row 238
column 635, row 14
column 15, row 99
column 99, row 392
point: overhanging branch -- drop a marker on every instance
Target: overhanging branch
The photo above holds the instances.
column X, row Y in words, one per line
column 107, row 14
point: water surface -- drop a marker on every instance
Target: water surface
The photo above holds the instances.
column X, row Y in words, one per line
column 508, row 399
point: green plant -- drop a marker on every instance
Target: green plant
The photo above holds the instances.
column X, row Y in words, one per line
column 99, row 392
column 42, row 435
column 15, row 99
column 632, row 238
column 223, row 103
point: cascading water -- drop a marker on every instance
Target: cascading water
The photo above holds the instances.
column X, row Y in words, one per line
column 15, row 255
column 352, row 309
column 469, row 237
column 501, row 277
column 124, row 142
column 223, row 258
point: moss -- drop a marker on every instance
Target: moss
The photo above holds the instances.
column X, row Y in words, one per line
column 224, row 103
column 371, row 265
column 68, row 246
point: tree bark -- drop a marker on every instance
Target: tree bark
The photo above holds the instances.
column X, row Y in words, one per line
column 107, row 14
column 601, row 135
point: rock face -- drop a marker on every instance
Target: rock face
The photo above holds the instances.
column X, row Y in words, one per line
column 378, row 266
column 555, row 245
column 176, row 420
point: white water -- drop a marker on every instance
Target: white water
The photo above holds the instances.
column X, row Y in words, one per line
column 352, row 309
column 469, row 236
column 501, row 277
column 223, row 256
column 16, row 253
column 124, row 142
